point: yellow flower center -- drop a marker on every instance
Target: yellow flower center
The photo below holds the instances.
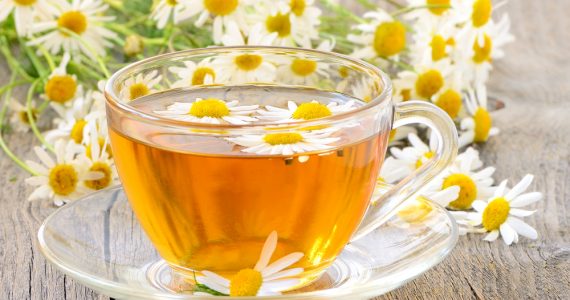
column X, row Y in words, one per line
column 483, row 124
column 246, row 282
column 248, row 62
column 496, row 213
column 438, row 10
column 467, row 190
column 424, row 157
column 282, row 138
column 450, row 102
column 303, row 67
column 103, row 182
column 24, row 116
column 60, row 89
column 438, row 44
column 101, row 142
column 343, row 71
column 482, row 53
column 213, row 108
column 429, row 83
column 201, row 73
column 73, row 21
column 63, row 179
column 221, row 7
column 481, row 12
column 406, row 94
column 311, row 110
column 76, row 133
column 138, row 90
column 298, row 7
column 392, row 134
column 25, row 2
column 389, row 38
column 279, row 23
column 416, row 212
column 172, row 2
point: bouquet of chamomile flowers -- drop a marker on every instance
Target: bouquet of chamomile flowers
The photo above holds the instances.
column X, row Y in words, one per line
column 441, row 51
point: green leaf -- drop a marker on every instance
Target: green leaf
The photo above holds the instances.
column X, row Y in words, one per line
column 204, row 289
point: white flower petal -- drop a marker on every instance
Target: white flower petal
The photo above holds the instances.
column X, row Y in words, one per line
column 267, row 251
column 508, row 233
column 492, row 236
column 520, row 187
column 526, row 199
column 282, row 263
column 522, row 228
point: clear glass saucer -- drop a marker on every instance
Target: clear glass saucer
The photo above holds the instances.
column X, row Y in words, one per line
column 97, row 240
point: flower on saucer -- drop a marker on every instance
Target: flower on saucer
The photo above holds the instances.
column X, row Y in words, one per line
column 202, row 73
column 380, row 36
column 20, row 120
column 263, row 280
column 499, row 215
column 304, row 111
column 247, row 67
column 139, row 86
column 85, row 19
column 25, row 12
column 302, row 70
column 286, row 143
column 61, row 87
column 211, row 110
column 416, row 211
column 60, row 180
column 478, row 126
column 178, row 9
column 475, row 184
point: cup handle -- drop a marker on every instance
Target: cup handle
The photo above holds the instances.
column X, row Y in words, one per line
column 409, row 112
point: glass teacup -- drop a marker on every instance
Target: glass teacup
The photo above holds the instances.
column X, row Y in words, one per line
column 261, row 159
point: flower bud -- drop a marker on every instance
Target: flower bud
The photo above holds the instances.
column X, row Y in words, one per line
column 133, row 45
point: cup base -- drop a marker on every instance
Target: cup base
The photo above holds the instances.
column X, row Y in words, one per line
column 97, row 241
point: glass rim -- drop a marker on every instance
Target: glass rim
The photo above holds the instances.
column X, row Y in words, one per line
column 112, row 99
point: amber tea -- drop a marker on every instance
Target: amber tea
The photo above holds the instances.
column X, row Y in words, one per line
column 208, row 205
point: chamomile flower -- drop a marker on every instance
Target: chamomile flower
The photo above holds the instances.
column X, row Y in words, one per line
column 302, row 70
column 245, row 67
column 20, row 120
column 82, row 17
column 499, row 215
column 178, row 9
column 483, row 48
column 304, row 111
column 211, row 110
column 262, row 280
column 25, row 12
column 304, row 14
column 418, row 210
column 381, row 36
column 450, row 11
column 477, row 127
column 392, row 171
column 71, row 121
column 278, row 18
column 423, row 83
column 193, row 73
column 97, row 159
column 140, row 85
column 413, row 157
column 433, row 43
column 62, row 179
column 397, row 135
column 285, row 143
column 223, row 13
column 61, row 87
column 474, row 183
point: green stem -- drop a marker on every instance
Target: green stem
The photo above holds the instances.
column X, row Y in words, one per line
column 31, row 117
column 48, row 57
column 408, row 9
column 367, row 4
column 395, row 3
column 341, row 10
column 12, row 62
column 34, row 59
column 3, row 145
column 88, row 47
column 400, row 64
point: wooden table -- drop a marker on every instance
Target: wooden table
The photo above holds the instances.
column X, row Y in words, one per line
column 533, row 81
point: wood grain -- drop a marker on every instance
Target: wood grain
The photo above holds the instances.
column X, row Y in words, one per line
column 534, row 82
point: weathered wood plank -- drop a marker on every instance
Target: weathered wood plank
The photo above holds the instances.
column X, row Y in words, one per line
column 534, row 82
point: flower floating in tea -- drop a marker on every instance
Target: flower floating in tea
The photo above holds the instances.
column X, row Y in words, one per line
column 212, row 111
column 305, row 111
column 287, row 143
column 263, row 279
column 500, row 213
